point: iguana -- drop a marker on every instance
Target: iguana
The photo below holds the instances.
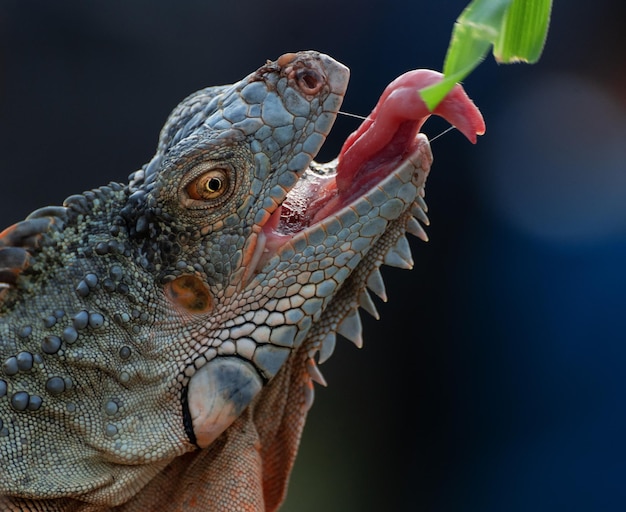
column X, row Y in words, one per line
column 158, row 339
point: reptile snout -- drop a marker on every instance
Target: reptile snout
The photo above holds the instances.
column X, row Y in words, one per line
column 311, row 70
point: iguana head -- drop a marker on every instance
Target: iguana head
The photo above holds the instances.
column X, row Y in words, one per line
column 208, row 283
column 199, row 211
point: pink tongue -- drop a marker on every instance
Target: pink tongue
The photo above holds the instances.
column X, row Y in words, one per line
column 400, row 110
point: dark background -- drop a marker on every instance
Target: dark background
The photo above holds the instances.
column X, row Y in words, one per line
column 495, row 379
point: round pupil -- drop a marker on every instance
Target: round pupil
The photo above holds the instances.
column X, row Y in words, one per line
column 214, row 184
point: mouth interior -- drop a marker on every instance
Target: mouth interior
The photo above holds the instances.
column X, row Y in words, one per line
column 370, row 154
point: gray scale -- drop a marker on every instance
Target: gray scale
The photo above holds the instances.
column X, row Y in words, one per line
column 96, row 320
column 24, row 361
column 50, row 321
column 19, row 400
column 70, row 334
column 81, row 320
column 51, row 345
column 10, row 366
column 25, row 331
column 55, row 385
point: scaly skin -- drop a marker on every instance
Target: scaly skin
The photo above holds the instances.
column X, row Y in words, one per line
column 158, row 337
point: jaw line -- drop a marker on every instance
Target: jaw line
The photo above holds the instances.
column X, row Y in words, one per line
column 271, row 243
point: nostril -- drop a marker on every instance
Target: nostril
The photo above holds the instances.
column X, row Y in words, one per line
column 309, row 81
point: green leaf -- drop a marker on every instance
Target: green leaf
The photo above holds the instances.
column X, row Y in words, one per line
column 524, row 32
column 517, row 30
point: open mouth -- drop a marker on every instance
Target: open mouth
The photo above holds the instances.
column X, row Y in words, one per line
column 386, row 139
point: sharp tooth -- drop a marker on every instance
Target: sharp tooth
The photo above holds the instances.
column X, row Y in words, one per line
column 328, row 347
column 422, row 191
column 420, row 215
column 377, row 285
column 399, row 255
column 416, row 229
column 309, row 395
column 403, row 248
column 315, row 373
column 365, row 301
column 350, row 328
column 422, row 204
column 393, row 259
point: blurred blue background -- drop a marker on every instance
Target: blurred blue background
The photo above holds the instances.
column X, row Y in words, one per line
column 495, row 379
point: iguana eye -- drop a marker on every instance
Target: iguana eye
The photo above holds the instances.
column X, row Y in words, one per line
column 210, row 185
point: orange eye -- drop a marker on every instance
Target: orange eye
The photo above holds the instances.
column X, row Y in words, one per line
column 210, row 185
